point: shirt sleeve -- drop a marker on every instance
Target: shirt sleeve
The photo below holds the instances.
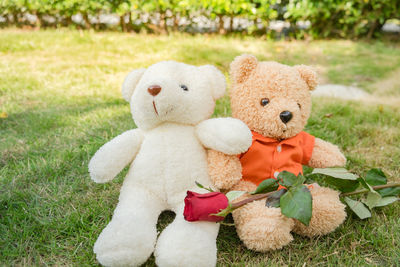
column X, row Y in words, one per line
column 308, row 142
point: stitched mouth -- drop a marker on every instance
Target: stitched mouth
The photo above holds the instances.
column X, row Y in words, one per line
column 284, row 128
column 155, row 108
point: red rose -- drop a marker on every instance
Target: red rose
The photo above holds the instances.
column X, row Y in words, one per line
column 199, row 207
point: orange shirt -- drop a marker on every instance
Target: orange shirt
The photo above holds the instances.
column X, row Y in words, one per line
column 267, row 157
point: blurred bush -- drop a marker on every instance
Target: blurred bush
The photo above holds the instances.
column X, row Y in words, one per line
column 335, row 18
column 299, row 18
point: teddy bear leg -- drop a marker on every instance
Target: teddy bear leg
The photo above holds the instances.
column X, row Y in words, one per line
column 184, row 243
column 262, row 228
column 327, row 214
column 129, row 239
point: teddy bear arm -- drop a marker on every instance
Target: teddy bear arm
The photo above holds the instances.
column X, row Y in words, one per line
column 113, row 156
column 326, row 155
column 228, row 135
column 224, row 170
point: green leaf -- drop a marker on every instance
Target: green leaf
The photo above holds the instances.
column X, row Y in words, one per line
column 202, row 186
column 224, row 212
column 266, row 186
column 358, row 208
column 341, row 178
column 343, row 185
column 365, row 184
column 386, row 201
column 274, row 199
column 391, row 191
column 297, row 203
column 288, row 179
column 339, row 173
column 199, row 184
column 373, row 198
column 232, row 195
column 375, row 177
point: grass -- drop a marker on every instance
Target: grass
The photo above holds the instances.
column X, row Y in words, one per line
column 61, row 91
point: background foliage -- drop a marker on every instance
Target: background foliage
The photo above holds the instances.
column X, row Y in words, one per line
column 327, row 18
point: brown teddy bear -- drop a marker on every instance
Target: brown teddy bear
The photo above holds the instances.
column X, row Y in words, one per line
column 274, row 101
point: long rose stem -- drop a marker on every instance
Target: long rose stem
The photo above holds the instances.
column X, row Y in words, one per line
column 265, row 195
column 250, row 199
column 376, row 187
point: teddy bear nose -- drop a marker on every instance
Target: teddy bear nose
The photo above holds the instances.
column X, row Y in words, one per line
column 154, row 90
column 286, row 116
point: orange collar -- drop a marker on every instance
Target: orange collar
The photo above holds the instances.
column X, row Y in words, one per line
column 292, row 141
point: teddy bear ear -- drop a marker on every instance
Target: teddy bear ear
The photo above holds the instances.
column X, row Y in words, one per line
column 130, row 82
column 241, row 67
column 217, row 80
column 309, row 75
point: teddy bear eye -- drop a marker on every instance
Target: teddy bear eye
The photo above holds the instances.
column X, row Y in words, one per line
column 264, row 101
column 184, row 87
column 299, row 105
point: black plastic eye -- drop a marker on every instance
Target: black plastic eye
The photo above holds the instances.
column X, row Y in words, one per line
column 299, row 105
column 184, row 87
column 264, row 101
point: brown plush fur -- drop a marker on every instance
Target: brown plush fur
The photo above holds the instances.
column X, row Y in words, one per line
column 261, row 228
column 326, row 155
column 288, row 89
column 282, row 85
column 223, row 169
column 328, row 213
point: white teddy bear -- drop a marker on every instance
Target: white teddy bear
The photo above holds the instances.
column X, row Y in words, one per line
column 171, row 104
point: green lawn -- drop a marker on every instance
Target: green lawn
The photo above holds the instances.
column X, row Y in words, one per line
column 61, row 91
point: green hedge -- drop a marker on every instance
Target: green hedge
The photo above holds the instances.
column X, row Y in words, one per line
column 328, row 18
column 343, row 18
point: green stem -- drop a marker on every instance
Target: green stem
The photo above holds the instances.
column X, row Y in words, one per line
column 363, row 191
column 266, row 195
column 239, row 204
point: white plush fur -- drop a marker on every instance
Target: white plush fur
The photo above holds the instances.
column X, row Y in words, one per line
column 123, row 149
column 167, row 154
column 218, row 82
column 130, row 82
column 220, row 134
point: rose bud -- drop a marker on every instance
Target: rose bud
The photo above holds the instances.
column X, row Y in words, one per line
column 199, row 207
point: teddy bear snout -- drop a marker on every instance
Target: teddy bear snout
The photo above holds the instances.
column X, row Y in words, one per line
column 286, row 116
column 154, row 90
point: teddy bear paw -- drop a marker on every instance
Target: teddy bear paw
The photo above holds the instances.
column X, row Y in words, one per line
column 185, row 243
column 119, row 245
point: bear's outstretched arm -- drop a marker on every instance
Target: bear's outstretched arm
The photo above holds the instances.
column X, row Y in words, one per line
column 227, row 135
column 326, row 155
column 225, row 170
column 113, row 156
